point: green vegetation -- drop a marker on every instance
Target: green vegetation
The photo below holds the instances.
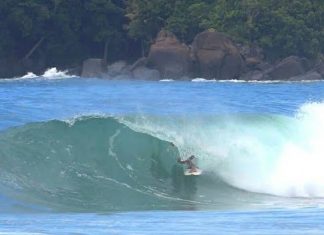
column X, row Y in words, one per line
column 280, row 27
column 64, row 32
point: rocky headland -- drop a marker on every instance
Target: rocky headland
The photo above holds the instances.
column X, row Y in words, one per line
column 212, row 55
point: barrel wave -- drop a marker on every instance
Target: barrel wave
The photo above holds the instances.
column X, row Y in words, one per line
column 99, row 163
column 94, row 163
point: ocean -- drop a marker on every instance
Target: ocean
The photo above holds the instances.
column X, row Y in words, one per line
column 93, row 156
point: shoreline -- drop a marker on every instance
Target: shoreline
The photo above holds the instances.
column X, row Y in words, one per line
column 62, row 75
column 212, row 56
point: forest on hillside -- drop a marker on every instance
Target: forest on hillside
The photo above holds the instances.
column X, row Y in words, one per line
column 65, row 32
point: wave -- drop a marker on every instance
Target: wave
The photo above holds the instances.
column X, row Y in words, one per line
column 54, row 73
column 49, row 74
column 98, row 163
column 92, row 163
column 166, row 80
column 29, row 75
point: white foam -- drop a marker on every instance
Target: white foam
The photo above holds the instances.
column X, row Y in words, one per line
column 29, row 75
column 202, row 80
column 300, row 167
column 166, row 80
column 291, row 164
column 84, row 116
column 53, row 73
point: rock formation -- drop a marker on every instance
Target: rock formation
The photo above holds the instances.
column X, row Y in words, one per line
column 170, row 57
column 289, row 67
column 93, row 67
column 217, row 56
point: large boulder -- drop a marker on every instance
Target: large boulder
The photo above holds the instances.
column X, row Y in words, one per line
column 94, row 67
column 170, row 57
column 289, row 67
column 74, row 71
column 119, row 69
column 143, row 73
column 217, row 56
column 309, row 76
column 141, row 62
column 254, row 75
column 252, row 55
column 319, row 67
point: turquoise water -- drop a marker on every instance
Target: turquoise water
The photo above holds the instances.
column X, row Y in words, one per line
column 90, row 156
column 302, row 221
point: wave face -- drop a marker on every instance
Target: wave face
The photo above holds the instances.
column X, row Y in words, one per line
column 128, row 163
column 92, row 163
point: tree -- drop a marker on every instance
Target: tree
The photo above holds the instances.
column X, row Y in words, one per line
column 64, row 32
column 281, row 28
column 146, row 18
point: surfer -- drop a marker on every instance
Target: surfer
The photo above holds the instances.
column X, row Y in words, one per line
column 190, row 164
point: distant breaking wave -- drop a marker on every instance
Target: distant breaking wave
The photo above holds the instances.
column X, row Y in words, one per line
column 51, row 73
column 29, row 75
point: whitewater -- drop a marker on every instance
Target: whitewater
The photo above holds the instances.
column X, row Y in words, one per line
column 105, row 153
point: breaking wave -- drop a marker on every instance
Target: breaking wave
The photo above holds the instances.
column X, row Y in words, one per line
column 271, row 154
column 98, row 163
column 51, row 73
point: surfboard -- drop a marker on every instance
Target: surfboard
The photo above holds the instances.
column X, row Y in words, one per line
column 197, row 172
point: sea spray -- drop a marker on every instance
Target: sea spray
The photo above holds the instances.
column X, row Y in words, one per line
column 54, row 73
column 299, row 169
